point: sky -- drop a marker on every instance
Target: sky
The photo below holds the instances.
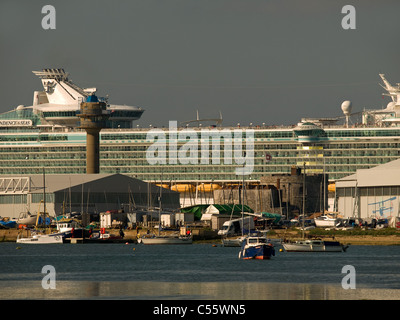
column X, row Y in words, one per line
column 255, row 61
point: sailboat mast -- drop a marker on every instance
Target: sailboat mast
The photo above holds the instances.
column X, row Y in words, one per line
column 44, row 194
column 324, row 186
column 244, row 156
column 243, row 204
column 159, row 205
column 304, row 195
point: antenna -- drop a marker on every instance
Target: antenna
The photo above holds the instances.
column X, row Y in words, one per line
column 218, row 121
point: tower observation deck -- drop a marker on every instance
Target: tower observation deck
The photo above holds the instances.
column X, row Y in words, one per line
column 93, row 115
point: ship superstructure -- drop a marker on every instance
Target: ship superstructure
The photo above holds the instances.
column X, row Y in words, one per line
column 46, row 134
column 58, row 103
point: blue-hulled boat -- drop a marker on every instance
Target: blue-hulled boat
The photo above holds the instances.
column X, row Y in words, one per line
column 8, row 224
column 256, row 248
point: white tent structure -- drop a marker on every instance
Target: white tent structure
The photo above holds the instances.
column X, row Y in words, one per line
column 210, row 211
column 225, row 209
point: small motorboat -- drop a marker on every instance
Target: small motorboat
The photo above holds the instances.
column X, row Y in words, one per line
column 233, row 242
column 256, row 248
column 165, row 240
column 326, row 222
column 27, row 219
column 53, row 238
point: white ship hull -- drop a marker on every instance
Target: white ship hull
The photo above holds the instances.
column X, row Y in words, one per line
column 326, row 222
column 313, row 246
column 233, row 242
column 166, row 240
column 30, row 220
column 42, row 239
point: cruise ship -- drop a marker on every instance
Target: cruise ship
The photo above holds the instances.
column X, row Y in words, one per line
column 47, row 134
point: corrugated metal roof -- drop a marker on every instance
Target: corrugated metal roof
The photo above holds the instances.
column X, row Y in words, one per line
column 387, row 174
column 94, row 182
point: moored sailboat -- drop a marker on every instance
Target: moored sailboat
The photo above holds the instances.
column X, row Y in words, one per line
column 307, row 245
column 53, row 238
column 314, row 246
column 166, row 240
column 158, row 239
column 233, row 242
column 42, row 238
column 27, row 219
column 326, row 221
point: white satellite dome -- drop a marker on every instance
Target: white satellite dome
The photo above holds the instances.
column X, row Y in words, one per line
column 346, row 107
column 21, row 107
column 391, row 105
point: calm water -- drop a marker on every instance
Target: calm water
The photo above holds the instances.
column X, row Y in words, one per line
column 198, row 271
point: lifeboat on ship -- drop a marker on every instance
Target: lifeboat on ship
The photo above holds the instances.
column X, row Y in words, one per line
column 183, row 187
column 165, row 186
column 208, row 187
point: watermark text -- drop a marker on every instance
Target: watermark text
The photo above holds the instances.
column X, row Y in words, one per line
column 49, row 280
column 49, row 20
column 190, row 147
column 349, row 280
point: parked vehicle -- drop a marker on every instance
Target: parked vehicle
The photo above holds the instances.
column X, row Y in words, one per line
column 237, row 226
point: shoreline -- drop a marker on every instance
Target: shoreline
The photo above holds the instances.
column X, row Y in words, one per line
column 390, row 240
column 10, row 235
column 378, row 239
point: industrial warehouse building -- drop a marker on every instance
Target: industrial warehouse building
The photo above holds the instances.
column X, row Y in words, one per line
column 89, row 193
column 371, row 192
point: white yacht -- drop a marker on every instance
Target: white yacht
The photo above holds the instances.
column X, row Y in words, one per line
column 314, row 246
column 53, row 238
column 326, row 221
column 165, row 240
